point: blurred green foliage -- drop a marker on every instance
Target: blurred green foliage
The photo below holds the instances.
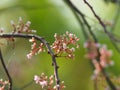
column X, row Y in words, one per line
column 49, row 17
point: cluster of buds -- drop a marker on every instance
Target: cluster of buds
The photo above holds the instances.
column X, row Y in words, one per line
column 105, row 56
column 97, row 51
column 63, row 45
column 47, row 83
column 105, row 59
column 3, row 84
column 21, row 27
column 35, row 49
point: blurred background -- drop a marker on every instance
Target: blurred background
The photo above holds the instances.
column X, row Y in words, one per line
column 49, row 17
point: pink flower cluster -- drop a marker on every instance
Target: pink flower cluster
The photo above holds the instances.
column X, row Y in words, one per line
column 47, row 83
column 3, row 84
column 34, row 48
column 105, row 56
column 62, row 43
column 97, row 51
column 92, row 49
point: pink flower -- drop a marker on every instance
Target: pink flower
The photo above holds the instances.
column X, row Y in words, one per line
column 100, row 53
column 48, row 83
column 36, row 79
column 105, row 56
column 42, row 80
column 92, row 49
column 29, row 56
column 43, row 83
column 3, row 84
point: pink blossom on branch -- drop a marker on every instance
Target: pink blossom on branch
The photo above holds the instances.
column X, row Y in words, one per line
column 92, row 49
column 63, row 45
column 3, row 84
column 47, row 83
column 105, row 56
column 35, row 48
column 41, row 80
column 97, row 51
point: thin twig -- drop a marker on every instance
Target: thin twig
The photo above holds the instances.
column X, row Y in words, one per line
column 115, row 20
column 78, row 19
column 115, row 46
column 109, row 82
column 6, row 70
column 95, row 39
column 111, row 85
column 116, row 17
column 110, row 35
column 82, row 17
column 20, row 35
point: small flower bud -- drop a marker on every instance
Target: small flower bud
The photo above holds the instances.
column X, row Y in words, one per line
column 55, row 35
column 51, row 77
column 29, row 56
column 28, row 23
column 32, row 40
column 64, row 46
column 70, row 35
column 72, row 49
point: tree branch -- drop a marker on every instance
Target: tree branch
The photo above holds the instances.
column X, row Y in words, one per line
column 116, row 17
column 20, row 35
column 6, row 70
column 109, row 82
column 110, row 35
column 111, row 85
column 94, row 37
column 78, row 19
column 82, row 17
